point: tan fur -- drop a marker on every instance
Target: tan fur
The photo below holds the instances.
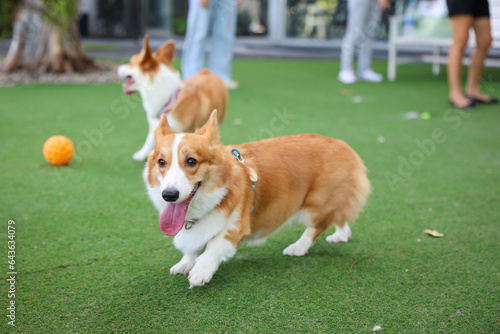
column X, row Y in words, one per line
column 147, row 61
column 322, row 176
column 201, row 94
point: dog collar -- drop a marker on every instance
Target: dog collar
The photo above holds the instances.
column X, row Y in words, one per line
column 188, row 223
column 171, row 101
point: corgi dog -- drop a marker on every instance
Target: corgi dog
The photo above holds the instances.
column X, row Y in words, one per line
column 211, row 197
column 187, row 104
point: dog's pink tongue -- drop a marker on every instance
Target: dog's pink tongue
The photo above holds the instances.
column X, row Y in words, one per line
column 127, row 85
column 173, row 217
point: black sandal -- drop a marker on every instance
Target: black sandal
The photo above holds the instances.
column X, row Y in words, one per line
column 471, row 105
column 493, row 100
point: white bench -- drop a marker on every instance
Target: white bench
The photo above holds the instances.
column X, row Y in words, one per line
column 436, row 58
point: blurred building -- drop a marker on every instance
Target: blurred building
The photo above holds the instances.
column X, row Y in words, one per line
column 295, row 22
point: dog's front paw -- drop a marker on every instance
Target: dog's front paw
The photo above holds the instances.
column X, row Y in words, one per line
column 200, row 275
column 181, row 268
column 140, row 156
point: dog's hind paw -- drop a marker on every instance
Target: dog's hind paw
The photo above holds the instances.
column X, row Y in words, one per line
column 296, row 249
column 342, row 234
column 337, row 238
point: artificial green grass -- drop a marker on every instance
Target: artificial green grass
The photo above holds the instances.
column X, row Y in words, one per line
column 91, row 258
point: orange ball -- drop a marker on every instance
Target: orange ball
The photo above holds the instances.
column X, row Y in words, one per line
column 58, row 150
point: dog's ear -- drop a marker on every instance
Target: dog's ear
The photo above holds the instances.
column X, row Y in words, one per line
column 147, row 61
column 146, row 48
column 166, row 53
column 210, row 129
column 163, row 128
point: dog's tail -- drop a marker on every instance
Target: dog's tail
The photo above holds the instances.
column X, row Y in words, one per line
column 351, row 195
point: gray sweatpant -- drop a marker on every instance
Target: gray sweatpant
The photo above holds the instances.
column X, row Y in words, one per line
column 362, row 21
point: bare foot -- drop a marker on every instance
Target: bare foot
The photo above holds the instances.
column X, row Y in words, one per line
column 459, row 100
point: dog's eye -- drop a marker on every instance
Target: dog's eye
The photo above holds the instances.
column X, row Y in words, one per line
column 191, row 162
column 161, row 163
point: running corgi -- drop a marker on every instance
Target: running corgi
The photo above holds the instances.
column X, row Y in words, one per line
column 187, row 104
column 211, row 197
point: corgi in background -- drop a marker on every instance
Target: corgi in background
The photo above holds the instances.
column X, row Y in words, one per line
column 186, row 104
column 211, row 197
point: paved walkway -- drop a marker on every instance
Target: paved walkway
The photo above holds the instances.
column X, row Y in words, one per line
column 245, row 47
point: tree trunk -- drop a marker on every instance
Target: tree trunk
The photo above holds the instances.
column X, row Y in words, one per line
column 42, row 46
column 14, row 56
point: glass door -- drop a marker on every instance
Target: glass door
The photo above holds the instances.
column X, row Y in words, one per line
column 313, row 22
column 159, row 18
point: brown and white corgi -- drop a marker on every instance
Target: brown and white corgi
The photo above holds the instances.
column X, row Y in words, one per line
column 187, row 104
column 212, row 197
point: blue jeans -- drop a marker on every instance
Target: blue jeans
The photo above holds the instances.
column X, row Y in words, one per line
column 219, row 21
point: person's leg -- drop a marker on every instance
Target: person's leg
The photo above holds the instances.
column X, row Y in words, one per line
column 357, row 12
column 256, row 26
column 460, row 25
column 223, row 36
column 482, row 29
column 193, row 53
column 372, row 20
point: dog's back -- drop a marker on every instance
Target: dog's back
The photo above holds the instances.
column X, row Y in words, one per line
column 200, row 95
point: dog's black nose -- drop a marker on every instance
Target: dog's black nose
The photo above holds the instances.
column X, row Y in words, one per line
column 170, row 195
